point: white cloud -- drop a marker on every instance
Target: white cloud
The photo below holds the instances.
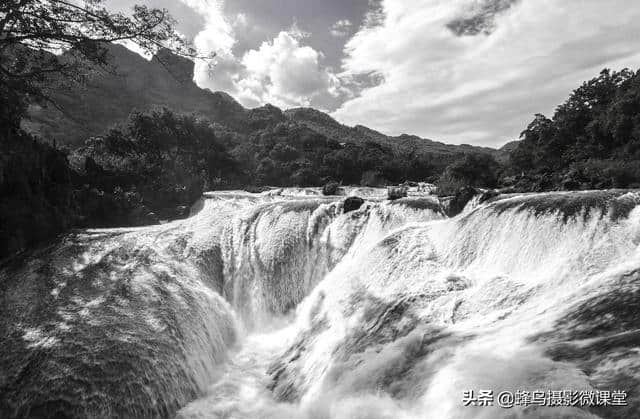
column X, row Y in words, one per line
column 485, row 88
column 285, row 73
column 281, row 71
column 341, row 28
column 297, row 32
column 216, row 37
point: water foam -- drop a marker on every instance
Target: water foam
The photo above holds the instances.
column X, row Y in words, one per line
column 281, row 305
column 493, row 299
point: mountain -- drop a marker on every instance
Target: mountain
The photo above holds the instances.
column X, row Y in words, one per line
column 502, row 154
column 134, row 83
column 324, row 124
column 131, row 83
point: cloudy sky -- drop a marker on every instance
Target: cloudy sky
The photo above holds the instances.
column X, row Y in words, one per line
column 458, row 71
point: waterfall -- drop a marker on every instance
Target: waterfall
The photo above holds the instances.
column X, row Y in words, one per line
column 282, row 305
column 137, row 321
column 278, row 251
column 517, row 294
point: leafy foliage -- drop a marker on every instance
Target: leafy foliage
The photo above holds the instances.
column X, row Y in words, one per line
column 35, row 31
column 291, row 154
column 592, row 141
column 477, row 170
column 168, row 159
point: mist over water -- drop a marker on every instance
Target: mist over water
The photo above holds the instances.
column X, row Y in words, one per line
column 280, row 305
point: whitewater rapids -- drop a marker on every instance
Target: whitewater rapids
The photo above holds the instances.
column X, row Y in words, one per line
column 280, row 305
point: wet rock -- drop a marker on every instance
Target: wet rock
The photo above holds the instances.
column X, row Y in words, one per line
column 352, row 203
column 422, row 203
column 460, row 200
column 256, row 189
column 331, row 188
column 487, row 195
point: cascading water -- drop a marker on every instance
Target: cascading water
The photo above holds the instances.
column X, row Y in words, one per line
column 281, row 305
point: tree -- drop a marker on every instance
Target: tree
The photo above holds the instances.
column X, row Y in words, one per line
column 34, row 33
column 536, row 147
column 474, row 169
column 592, row 141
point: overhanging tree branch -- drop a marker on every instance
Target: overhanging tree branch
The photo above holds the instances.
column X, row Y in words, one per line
column 39, row 38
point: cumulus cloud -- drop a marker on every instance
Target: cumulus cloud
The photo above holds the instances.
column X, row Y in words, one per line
column 217, row 36
column 341, row 28
column 286, row 73
column 472, row 71
column 297, row 32
column 482, row 79
column 281, row 71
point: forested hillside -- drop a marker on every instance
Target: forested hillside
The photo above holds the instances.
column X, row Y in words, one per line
column 147, row 152
column 130, row 83
column 591, row 141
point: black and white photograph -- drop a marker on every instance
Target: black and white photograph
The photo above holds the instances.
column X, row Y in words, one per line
column 319, row 209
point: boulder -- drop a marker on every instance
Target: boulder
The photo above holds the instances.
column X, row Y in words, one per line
column 331, row 188
column 352, row 203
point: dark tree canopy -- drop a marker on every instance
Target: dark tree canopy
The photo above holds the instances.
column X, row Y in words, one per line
column 474, row 169
column 592, row 141
column 35, row 33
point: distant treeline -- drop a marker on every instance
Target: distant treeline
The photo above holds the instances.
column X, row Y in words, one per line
column 158, row 162
column 160, row 147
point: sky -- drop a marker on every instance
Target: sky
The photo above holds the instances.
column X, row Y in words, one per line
column 457, row 71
